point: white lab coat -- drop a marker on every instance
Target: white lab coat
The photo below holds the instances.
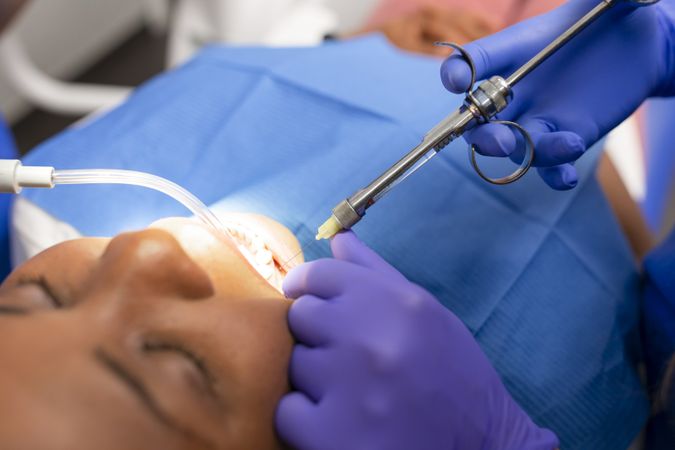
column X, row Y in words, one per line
column 257, row 22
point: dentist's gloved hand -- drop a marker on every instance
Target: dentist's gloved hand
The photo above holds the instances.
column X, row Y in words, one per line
column 581, row 93
column 380, row 364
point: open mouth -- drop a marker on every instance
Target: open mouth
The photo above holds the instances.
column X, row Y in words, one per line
column 269, row 265
column 268, row 246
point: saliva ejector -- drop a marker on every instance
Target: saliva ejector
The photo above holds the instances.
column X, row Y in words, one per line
column 14, row 176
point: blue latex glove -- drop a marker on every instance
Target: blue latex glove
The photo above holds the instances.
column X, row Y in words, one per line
column 581, row 93
column 381, row 364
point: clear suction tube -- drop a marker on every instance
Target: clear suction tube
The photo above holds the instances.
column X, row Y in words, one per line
column 130, row 177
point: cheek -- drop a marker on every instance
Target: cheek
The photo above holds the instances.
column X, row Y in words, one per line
column 262, row 374
column 53, row 395
column 200, row 245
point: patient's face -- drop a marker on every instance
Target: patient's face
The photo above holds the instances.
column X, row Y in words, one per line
column 132, row 343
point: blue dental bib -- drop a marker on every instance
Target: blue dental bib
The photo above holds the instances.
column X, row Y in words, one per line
column 545, row 280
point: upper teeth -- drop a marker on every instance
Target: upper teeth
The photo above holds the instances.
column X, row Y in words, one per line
column 255, row 251
column 263, row 257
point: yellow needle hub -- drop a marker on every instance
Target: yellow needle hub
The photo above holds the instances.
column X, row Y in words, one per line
column 330, row 228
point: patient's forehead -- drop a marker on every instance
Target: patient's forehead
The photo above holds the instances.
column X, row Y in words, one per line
column 67, row 261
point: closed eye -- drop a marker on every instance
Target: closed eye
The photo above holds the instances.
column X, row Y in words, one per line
column 42, row 283
column 138, row 388
column 208, row 380
column 28, row 295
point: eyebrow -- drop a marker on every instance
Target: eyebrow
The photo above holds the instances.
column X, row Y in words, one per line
column 13, row 310
column 143, row 394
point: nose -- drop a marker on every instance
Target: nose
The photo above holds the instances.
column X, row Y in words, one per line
column 147, row 265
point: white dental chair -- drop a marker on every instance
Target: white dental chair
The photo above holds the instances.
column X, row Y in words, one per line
column 191, row 24
column 39, row 88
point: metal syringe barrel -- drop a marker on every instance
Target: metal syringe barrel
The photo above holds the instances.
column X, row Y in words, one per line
column 480, row 106
column 488, row 99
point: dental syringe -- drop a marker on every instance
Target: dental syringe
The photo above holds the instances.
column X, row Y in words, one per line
column 480, row 106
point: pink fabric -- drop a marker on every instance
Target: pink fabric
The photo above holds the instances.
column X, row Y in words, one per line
column 499, row 12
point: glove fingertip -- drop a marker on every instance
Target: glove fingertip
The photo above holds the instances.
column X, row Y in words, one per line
column 559, row 148
column 293, row 414
column 493, row 140
column 348, row 247
column 570, row 177
column 293, row 285
column 575, row 145
column 342, row 241
column 456, row 75
column 567, row 145
column 308, row 320
column 560, row 178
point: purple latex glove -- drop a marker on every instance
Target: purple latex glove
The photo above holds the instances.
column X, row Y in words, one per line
column 580, row 94
column 381, row 364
